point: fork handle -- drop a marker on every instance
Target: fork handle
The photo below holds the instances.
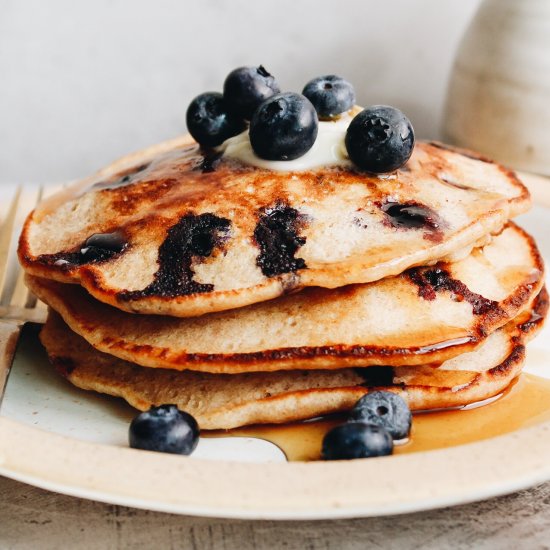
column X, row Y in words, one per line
column 9, row 335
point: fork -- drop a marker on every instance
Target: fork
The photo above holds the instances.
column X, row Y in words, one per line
column 17, row 304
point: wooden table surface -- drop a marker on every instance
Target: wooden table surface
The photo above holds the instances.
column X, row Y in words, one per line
column 37, row 519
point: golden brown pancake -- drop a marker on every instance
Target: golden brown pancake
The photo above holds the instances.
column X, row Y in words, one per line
column 190, row 233
column 425, row 315
column 228, row 401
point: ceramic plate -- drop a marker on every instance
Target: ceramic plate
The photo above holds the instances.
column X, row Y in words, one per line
column 60, row 438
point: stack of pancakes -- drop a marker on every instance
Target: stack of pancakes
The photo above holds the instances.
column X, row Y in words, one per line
column 247, row 296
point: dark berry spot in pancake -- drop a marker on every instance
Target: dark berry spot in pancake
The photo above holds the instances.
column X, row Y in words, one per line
column 202, row 244
column 193, row 236
column 277, row 236
column 376, row 375
column 413, row 215
column 63, row 261
column 432, row 280
column 99, row 247
column 102, row 246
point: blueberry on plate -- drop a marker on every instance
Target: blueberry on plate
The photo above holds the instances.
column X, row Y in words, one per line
column 284, row 127
column 356, row 440
column 386, row 409
column 380, row 139
column 165, row 429
column 210, row 121
column 246, row 87
column 330, row 95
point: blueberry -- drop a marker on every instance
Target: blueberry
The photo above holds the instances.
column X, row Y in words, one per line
column 380, row 139
column 165, row 429
column 102, row 246
column 210, row 121
column 356, row 440
column 246, row 87
column 385, row 409
column 330, row 95
column 284, row 127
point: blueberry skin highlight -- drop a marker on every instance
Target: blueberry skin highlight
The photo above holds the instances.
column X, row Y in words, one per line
column 165, row 429
column 330, row 95
column 102, row 246
column 284, row 127
column 356, row 440
column 210, row 121
column 385, row 409
column 245, row 88
column 380, row 139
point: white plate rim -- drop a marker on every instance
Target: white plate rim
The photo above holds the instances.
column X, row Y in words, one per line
column 277, row 491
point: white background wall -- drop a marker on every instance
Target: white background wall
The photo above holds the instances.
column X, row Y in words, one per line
column 82, row 82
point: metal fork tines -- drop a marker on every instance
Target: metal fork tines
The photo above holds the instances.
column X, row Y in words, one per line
column 17, row 304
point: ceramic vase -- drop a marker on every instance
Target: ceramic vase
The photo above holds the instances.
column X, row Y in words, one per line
column 498, row 100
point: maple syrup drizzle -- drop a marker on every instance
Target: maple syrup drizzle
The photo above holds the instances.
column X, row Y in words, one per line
column 524, row 403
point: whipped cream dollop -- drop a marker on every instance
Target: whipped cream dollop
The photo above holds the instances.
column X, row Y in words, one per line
column 329, row 149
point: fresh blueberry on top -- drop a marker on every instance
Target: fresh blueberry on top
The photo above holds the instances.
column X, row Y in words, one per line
column 165, row 429
column 330, row 95
column 210, row 121
column 284, row 127
column 380, row 139
column 386, row 409
column 246, row 87
column 356, row 440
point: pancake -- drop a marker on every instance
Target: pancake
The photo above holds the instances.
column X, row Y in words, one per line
column 222, row 401
column 190, row 233
column 425, row 315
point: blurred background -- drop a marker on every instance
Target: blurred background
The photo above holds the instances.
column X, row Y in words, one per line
column 82, row 83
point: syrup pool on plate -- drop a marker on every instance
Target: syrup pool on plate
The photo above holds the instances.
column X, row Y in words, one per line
column 524, row 403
